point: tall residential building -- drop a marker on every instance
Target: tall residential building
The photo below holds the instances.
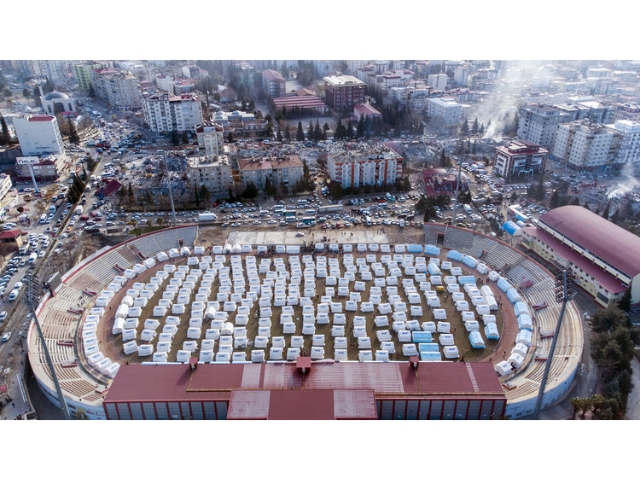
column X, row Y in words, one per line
column 629, row 147
column 585, row 145
column 365, row 165
column 519, row 159
column 38, row 135
column 539, row 123
column 280, row 169
column 446, row 109
column 210, row 138
column 342, row 92
column 215, row 173
column 437, row 81
column 120, row 89
column 82, row 72
column 164, row 112
column 273, row 83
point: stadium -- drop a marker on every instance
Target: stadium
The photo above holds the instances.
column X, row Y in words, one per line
column 160, row 327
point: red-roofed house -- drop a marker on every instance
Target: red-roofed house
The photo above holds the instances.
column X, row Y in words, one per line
column 10, row 239
column 365, row 110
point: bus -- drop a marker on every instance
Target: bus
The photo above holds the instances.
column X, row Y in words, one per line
column 289, row 216
column 309, row 220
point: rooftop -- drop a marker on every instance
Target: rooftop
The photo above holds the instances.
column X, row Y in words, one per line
column 612, row 244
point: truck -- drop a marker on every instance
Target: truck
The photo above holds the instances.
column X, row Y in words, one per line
column 78, row 210
column 207, row 217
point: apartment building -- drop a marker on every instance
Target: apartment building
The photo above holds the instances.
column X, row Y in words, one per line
column 446, row 109
column 215, row 173
column 273, row 83
column 519, row 159
column 342, row 92
column 164, row 112
column 210, row 138
column 38, row 135
column 585, row 145
column 280, row 169
column 629, row 145
column 120, row 89
column 538, row 124
column 364, row 165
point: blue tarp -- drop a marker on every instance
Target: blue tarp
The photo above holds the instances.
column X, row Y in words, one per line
column 476, row 339
column 454, row 255
column 469, row 261
column 428, row 347
column 510, row 227
column 467, row 279
column 432, row 250
column 413, row 248
column 525, row 322
column 513, row 295
column 491, row 331
column 433, row 269
column 430, row 357
column 421, row 337
column 503, row 284
column 521, row 308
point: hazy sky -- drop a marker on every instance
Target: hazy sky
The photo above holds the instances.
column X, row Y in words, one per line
column 495, row 29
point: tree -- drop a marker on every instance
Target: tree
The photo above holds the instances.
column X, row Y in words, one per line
column 360, row 128
column 251, row 191
column 205, row 194
column 605, row 212
column 464, row 129
column 92, row 91
column 310, row 131
column 300, row 132
column 5, row 134
column 475, row 127
column 73, row 134
column 175, row 140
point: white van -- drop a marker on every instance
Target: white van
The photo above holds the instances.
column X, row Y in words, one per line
column 14, row 294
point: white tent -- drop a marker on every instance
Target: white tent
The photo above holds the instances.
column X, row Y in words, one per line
column 446, row 339
column 409, row 349
column 130, row 347
column 502, row 368
column 450, row 351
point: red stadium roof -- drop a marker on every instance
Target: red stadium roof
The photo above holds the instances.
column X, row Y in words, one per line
column 614, row 245
column 278, row 391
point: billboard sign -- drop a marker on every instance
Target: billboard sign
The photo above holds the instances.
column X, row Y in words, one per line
column 27, row 160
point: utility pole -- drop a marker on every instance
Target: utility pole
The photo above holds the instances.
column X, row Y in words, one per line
column 168, row 177
column 32, row 299
column 564, row 293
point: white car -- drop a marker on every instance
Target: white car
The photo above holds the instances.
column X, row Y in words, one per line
column 3, row 315
column 6, row 337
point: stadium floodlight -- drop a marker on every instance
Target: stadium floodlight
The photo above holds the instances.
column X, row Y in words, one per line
column 32, row 299
column 564, row 293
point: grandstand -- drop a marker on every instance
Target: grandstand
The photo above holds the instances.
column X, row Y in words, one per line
column 523, row 384
column 83, row 386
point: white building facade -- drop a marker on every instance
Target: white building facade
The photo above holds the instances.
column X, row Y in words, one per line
column 215, row 173
column 583, row 145
column 164, row 112
column 629, row 147
column 447, row 109
column 210, row 138
column 38, row 135
column 368, row 166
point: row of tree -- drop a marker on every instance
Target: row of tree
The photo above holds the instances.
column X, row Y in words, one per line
column 612, row 348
